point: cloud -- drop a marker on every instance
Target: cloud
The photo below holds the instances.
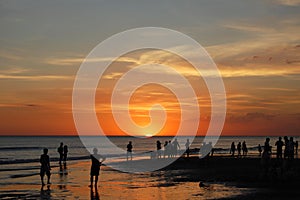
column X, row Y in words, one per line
column 13, row 70
column 288, row 2
column 17, row 105
column 250, row 117
column 36, row 77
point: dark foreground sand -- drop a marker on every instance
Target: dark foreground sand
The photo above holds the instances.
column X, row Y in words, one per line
column 281, row 181
column 223, row 177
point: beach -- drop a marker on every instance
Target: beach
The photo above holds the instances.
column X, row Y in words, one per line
column 223, row 178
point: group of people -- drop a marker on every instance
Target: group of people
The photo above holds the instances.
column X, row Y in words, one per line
column 45, row 169
column 289, row 151
column 63, row 152
column 170, row 149
column 240, row 147
column 285, row 152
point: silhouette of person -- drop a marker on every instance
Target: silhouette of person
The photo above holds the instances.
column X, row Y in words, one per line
column 95, row 168
column 232, row 149
column 266, row 156
column 60, row 150
column 291, row 148
column 129, row 150
column 175, row 147
column 259, row 150
column 65, row 154
column 158, row 148
column 286, row 148
column 279, row 144
column 166, row 148
column 244, row 148
column 209, row 146
column 187, row 147
column 45, row 167
column 239, row 148
column 296, row 147
column 170, row 149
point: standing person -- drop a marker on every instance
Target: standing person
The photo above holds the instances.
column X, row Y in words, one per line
column 171, row 149
column 95, row 168
column 129, row 150
column 245, row 149
column 266, row 156
column 175, row 147
column 158, row 148
column 279, row 144
column 232, row 149
column 60, row 150
column 45, row 167
column 65, row 153
column 286, row 148
column 166, row 149
column 239, row 148
column 259, row 150
column 187, row 147
column 291, row 148
column 296, row 148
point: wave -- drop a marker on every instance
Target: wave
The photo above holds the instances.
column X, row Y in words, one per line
column 18, row 148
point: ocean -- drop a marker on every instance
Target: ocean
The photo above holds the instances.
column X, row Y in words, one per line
column 19, row 154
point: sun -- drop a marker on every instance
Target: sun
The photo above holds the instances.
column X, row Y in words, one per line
column 148, row 135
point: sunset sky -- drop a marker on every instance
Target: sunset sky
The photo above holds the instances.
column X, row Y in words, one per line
column 255, row 44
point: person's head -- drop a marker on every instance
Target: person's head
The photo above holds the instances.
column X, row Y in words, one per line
column 291, row 139
column 286, row 138
column 45, row 150
column 267, row 139
column 130, row 142
column 279, row 138
column 95, row 150
column 61, row 144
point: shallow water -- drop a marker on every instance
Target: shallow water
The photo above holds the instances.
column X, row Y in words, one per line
column 72, row 183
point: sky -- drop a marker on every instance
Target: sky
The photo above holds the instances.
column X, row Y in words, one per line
column 255, row 44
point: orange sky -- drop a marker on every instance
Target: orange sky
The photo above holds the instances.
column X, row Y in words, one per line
column 255, row 44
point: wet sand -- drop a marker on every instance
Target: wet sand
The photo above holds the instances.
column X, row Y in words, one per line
column 224, row 178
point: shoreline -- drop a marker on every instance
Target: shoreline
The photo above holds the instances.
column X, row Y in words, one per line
column 228, row 177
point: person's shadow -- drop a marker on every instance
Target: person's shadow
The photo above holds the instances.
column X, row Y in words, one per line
column 45, row 193
column 94, row 194
column 62, row 176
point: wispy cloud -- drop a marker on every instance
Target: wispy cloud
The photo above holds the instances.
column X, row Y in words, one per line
column 288, row 2
column 36, row 77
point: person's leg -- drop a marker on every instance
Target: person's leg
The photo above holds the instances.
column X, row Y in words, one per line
column 96, row 180
column 42, row 179
column 48, row 177
column 91, row 179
